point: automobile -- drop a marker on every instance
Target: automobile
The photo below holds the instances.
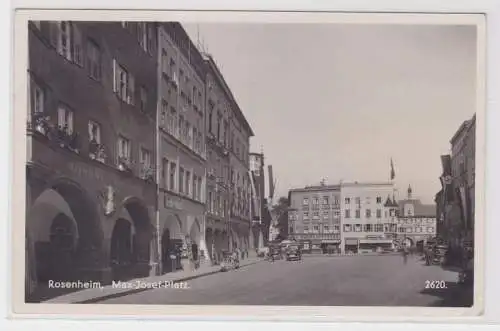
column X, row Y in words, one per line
column 293, row 253
column 229, row 262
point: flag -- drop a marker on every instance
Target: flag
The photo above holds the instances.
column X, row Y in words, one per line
column 393, row 173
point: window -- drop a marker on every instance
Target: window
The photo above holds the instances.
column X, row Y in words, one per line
column 336, row 214
column 194, row 189
column 181, row 126
column 94, row 132
column 164, row 169
column 347, row 213
column 173, row 167
column 347, row 228
column 305, row 201
column 368, row 200
column 145, row 158
column 77, row 46
column 123, row 83
column 358, row 213
column 357, row 201
column 181, row 180
column 379, row 228
column 306, row 229
column 379, row 199
column 315, row 213
column 64, row 40
column 315, row 201
column 358, row 228
column 188, row 182
column 368, row 227
column 430, row 229
column 124, row 149
column 38, row 101
column 401, row 230
column 93, row 60
column 325, row 200
column 144, row 98
column 368, row 213
column 418, row 229
column 306, row 214
column 379, row 213
column 142, row 35
column 336, row 228
column 316, row 228
column 65, row 119
column 164, row 61
column 199, row 189
column 171, row 121
column 347, row 201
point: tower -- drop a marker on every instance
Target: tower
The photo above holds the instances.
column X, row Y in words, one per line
column 409, row 192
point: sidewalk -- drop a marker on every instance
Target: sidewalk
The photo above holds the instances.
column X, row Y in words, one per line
column 95, row 295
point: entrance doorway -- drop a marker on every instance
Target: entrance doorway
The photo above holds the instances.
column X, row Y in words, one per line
column 166, row 252
column 121, row 249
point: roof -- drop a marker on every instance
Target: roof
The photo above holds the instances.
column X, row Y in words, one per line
column 420, row 209
column 212, row 66
column 464, row 127
column 316, row 188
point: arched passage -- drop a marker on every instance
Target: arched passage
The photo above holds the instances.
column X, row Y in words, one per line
column 130, row 241
column 64, row 233
column 210, row 242
column 195, row 235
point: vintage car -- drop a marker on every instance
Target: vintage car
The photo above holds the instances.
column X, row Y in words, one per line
column 229, row 262
column 275, row 253
column 293, row 252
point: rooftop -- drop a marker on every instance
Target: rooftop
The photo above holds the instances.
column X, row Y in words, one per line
column 420, row 209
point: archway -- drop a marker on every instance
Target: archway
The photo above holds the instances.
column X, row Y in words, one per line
column 195, row 235
column 65, row 235
column 130, row 241
column 166, row 252
column 408, row 242
column 121, row 248
column 209, row 240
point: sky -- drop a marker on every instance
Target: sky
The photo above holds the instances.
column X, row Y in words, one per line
column 338, row 101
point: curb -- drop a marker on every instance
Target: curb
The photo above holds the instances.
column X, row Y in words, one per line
column 139, row 290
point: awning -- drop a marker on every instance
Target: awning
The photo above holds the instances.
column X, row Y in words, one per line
column 375, row 241
column 351, row 241
column 330, row 241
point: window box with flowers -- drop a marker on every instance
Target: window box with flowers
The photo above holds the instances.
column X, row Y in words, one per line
column 42, row 124
column 97, row 151
column 67, row 138
column 124, row 164
column 148, row 173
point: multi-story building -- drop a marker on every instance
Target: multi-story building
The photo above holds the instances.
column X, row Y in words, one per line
column 416, row 221
column 365, row 224
column 239, row 224
column 456, row 200
column 91, row 188
column 218, row 114
column 181, row 146
column 315, row 217
column 260, row 214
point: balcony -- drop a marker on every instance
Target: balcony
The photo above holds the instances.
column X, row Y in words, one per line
column 124, row 164
column 59, row 135
column 147, row 173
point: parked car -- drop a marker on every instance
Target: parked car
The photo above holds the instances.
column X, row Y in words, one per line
column 293, row 252
column 229, row 262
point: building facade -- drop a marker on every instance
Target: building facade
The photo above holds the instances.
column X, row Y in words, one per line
column 261, row 219
column 91, row 184
column 240, row 221
column 417, row 222
column 218, row 114
column 315, row 217
column 367, row 216
column 181, row 148
column 456, row 200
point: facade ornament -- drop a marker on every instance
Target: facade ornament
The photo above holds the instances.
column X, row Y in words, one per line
column 108, row 200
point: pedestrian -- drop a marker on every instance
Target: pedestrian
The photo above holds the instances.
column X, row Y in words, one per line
column 405, row 254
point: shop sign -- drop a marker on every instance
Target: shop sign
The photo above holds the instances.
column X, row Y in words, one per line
column 86, row 172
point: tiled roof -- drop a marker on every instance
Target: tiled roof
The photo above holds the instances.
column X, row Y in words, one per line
column 420, row 209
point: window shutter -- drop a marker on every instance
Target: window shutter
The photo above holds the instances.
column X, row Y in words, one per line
column 90, row 131
column 131, row 89
column 77, row 49
column 116, row 77
column 70, row 122
column 60, row 117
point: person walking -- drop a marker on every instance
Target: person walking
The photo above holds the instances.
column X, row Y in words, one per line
column 405, row 254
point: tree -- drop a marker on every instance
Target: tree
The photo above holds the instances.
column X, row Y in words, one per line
column 280, row 210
